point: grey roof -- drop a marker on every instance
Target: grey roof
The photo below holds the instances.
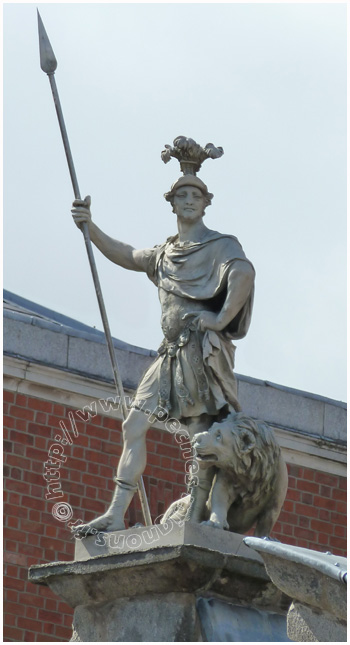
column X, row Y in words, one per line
column 29, row 312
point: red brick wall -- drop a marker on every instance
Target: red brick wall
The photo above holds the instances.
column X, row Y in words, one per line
column 314, row 514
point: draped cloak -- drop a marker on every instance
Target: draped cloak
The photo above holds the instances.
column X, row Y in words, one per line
column 194, row 374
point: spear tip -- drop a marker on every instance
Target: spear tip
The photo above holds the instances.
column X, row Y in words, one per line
column 48, row 62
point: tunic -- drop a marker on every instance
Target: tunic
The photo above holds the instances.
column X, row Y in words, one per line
column 193, row 373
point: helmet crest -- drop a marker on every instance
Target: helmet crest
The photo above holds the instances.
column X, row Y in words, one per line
column 191, row 156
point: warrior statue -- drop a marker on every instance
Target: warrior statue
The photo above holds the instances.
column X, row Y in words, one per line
column 205, row 286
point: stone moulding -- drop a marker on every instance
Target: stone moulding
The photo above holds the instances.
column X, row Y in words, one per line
column 201, row 553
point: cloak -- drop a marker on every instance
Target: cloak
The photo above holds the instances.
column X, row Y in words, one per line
column 194, row 374
column 198, row 271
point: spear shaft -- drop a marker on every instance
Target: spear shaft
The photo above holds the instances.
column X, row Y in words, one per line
column 48, row 65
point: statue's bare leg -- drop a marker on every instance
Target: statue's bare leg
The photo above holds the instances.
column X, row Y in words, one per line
column 202, row 478
column 130, row 468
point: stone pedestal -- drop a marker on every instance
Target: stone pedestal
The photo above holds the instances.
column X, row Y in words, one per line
column 155, row 618
column 167, row 583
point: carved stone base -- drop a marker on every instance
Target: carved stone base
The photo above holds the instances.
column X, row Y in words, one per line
column 185, row 586
column 156, row 618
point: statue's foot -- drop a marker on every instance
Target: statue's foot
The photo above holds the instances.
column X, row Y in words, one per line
column 104, row 524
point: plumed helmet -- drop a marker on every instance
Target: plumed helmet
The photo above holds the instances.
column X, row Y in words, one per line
column 191, row 156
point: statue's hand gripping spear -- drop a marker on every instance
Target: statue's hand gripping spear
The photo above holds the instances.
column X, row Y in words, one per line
column 48, row 64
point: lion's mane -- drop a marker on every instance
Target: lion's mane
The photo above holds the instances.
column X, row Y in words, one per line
column 259, row 463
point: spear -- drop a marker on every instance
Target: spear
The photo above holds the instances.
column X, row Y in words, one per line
column 48, row 64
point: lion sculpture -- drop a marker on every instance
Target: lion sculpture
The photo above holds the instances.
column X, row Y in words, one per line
column 250, row 481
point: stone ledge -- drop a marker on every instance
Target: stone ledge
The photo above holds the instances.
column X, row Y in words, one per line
column 230, row 571
column 170, row 533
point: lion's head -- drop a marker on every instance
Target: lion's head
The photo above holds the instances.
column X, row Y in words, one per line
column 245, row 447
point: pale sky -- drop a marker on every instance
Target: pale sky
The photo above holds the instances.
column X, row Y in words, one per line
column 267, row 82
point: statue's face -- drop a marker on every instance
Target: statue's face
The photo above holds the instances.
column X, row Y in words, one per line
column 189, row 203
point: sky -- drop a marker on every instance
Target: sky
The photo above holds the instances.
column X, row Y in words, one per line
column 267, row 82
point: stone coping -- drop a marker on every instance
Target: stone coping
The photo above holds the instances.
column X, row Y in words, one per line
column 168, row 534
column 121, row 548
column 219, row 563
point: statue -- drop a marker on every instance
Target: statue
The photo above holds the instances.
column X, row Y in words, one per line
column 251, row 479
column 205, row 286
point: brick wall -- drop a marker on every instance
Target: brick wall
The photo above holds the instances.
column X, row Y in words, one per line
column 314, row 513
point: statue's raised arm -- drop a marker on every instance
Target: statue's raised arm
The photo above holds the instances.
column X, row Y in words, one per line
column 118, row 252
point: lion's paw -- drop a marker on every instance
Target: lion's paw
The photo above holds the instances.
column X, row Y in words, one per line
column 216, row 524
